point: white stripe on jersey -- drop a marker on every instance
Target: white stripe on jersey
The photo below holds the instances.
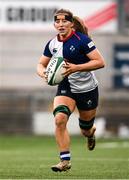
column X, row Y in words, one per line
column 57, row 46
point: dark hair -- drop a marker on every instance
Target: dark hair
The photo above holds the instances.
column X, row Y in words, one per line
column 78, row 23
column 63, row 11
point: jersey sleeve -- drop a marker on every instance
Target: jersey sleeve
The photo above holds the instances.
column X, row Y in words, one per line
column 87, row 44
column 47, row 51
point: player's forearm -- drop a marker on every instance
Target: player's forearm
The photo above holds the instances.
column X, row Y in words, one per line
column 91, row 65
column 40, row 70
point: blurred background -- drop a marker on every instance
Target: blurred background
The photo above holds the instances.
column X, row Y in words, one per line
column 26, row 100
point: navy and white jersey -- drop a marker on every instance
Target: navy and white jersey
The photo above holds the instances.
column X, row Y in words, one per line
column 74, row 49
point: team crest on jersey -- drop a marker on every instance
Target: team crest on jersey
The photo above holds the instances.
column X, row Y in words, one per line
column 54, row 50
column 72, row 48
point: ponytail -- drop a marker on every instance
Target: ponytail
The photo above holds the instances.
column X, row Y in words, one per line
column 79, row 25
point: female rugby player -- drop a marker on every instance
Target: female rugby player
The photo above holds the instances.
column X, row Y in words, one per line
column 79, row 87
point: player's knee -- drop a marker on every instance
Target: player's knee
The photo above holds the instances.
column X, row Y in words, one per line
column 60, row 120
column 61, row 114
column 86, row 125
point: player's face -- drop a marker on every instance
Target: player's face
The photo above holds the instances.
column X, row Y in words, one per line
column 63, row 26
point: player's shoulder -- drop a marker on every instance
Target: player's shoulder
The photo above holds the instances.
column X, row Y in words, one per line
column 51, row 43
column 83, row 36
column 86, row 42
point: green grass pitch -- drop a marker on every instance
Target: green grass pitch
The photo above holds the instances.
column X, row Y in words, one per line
column 30, row 157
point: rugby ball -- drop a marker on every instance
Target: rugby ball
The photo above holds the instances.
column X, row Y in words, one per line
column 54, row 70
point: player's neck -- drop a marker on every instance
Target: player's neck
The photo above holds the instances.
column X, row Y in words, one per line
column 65, row 37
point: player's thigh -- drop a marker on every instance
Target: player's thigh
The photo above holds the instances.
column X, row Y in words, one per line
column 87, row 114
column 64, row 100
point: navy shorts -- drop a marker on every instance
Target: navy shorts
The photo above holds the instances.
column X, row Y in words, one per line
column 84, row 101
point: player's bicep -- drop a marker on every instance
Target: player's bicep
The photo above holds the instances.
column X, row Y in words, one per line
column 95, row 55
